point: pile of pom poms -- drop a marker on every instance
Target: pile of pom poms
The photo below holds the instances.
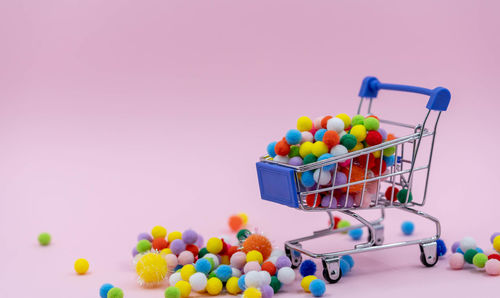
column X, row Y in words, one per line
column 110, row 291
column 466, row 252
column 329, row 138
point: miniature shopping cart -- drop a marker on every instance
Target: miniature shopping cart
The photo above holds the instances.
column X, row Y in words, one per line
column 280, row 183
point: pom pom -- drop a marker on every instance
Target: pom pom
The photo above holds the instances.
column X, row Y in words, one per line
column 174, row 278
column 293, row 137
column 318, row 136
column 214, row 245
column 325, row 157
column 159, row 244
column 357, row 174
column 275, row 284
column 235, row 223
column 267, row 291
column 254, row 255
column 402, row 194
column 496, row 243
column 349, row 260
column 172, row 292
column 238, row 259
column 115, row 293
column 252, row 293
column 310, row 158
column 338, row 150
column 252, row 279
column 331, row 138
column 186, row 257
column 282, row 148
column 184, row 287
column 305, row 149
column 317, row 288
column 198, row 282
column 286, row 275
column 372, row 123
column 304, row 123
column 232, row 286
column 307, row 267
column 177, row 246
column 283, row 261
column 264, row 277
column 44, row 239
column 389, row 151
column 214, row 286
column 295, row 161
column 103, row 291
column 373, row 138
column 193, row 249
column 307, row 137
column 269, row 267
column 259, row 243
column 456, row 261
column 81, row 266
column 359, row 131
column 335, row 124
column 282, row 159
column 151, row 269
column 143, row 246
column 380, row 167
column 174, row 235
column 189, row 237
column 469, row 255
column 390, row 160
column 224, row 272
column 467, row 243
column 345, row 118
column 294, row 151
column 324, row 122
column 349, row 141
column 343, row 224
column 319, row 148
column 356, row 234
column 241, row 282
column 307, row 179
column 363, row 159
column 479, row 260
column 322, row 177
column 441, row 248
column 407, row 227
column 492, row 267
column 306, row 281
column 213, row 259
column 493, row 236
column 358, row 120
column 329, row 202
column 251, row 266
column 342, row 201
column 455, row 246
column 159, row 232
column 270, row 149
column 344, row 267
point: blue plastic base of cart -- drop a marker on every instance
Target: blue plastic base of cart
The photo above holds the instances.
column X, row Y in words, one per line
column 277, row 184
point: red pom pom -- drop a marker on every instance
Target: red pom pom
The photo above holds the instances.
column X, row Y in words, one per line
column 376, row 168
column 388, row 193
column 282, row 148
column 324, row 121
column 232, row 250
column 362, row 160
column 336, row 220
column 225, row 247
column 235, row 222
column 373, row 138
column 331, row 138
column 269, row 267
column 310, row 200
column 160, row 243
column 494, row 256
column 192, row 248
column 373, row 116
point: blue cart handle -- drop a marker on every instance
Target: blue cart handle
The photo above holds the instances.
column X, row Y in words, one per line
column 438, row 101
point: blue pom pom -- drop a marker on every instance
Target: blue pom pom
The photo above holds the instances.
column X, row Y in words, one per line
column 407, row 227
column 441, row 248
column 293, row 136
column 349, row 260
column 308, row 179
column 479, row 250
column 318, row 136
column 356, row 234
column 344, row 267
column 203, row 266
column 326, row 156
column 317, row 287
column 224, row 272
column 241, row 283
column 178, row 267
column 270, row 149
column 103, row 291
column 307, row 267
column 459, row 250
column 389, row 160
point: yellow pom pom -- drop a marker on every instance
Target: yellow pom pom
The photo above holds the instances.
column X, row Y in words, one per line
column 214, row 245
column 359, row 131
column 319, row 148
column 224, row 260
column 345, row 118
column 496, row 243
column 376, row 154
column 187, row 271
column 244, row 217
column 254, row 255
column 174, row 235
column 185, row 288
column 214, row 286
column 306, row 281
column 232, row 286
column 151, row 268
column 305, row 149
column 304, row 123
column 165, row 251
column 81, row 266
column 358, row 146
column 252, row 293
column 158, row 232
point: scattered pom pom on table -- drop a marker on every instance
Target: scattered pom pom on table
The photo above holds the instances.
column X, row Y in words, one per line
column 189, row 237
column 198, row 281
column 232, row 286
column 44, row 239
column 349, row 260
column 469, row 255
column 255, row 255
column 306, row 281
column 143, row 246
column 172, row 292
column 407, row 227
column 275, row 284
column 177, row 246
column 214, row 286
column 269, row 267
column 251, row 266
column 324, row 122
column 356, row 234
column 259, row 243
column 441, row 248
column 159, row 232
column 214, row 245
column 344, row 266
column 184, row 287
column 286, row 275
column 479, row 260
column 81, row 266
column 343, row 224
column 283, row 261
column 456, row 261
column 187, row 271
column 307, row 267
column 252, row 293
column 159, row 244
column 267, row 291
column 144, row 236
column 104, row 289
column 496, row 243
column 317, row 288
column 492, row 267
column 467, row 243
column 115, row 293
column 151, row 269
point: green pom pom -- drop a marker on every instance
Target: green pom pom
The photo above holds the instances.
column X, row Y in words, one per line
column 343, row 224
column 212, row 274
column 172, row 292
column 275, row 284
column 310, row 158
column 143, row 245
column 243, row 234
column 479, row 260
column 402, row 196
column 349, row 141
column 212, row 264
column 115, row 293
column 44, row 239
column 202, row 252
column 469, row 255
column 389, row 151
column 372, row 123
column 294, row 151
column 358, row 119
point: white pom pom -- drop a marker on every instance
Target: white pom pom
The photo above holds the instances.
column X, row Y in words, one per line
column 214, row 258
column 174, row 278
column 317, row 122
column 136, row 259
column 306, row 137
column 286, row 275
column 236, row 272
column 272, row 259
column 198, row 282
column 467, row 243
column 283, row 159
column 252, row 279
column 335, row 124
column 325, row 177
column 338, row 150
column 277, row 253
column 265, row 278
column 342, row 133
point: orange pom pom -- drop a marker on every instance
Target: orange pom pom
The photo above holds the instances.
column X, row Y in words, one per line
column 357, row 174
column 391, row 137
column 232, row 250
column 235, row 223
column 160, row 243
column 324, row 121
column 259, row 243
column 331, row 138
column 282, row 148
column 269, row 267
column 193, row 249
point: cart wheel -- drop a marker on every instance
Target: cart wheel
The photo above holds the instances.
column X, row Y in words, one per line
column 428, row 254
column 294, row 256
column 331, row 271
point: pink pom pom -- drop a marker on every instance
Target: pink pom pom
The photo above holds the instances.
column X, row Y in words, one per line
column 457, row 261
column 238, row 260
column 186, row 257
column 251, row 266
column 492, row 267
column 172, row 261
column 345, row 163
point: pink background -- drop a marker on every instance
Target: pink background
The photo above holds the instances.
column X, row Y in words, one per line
column 116, row 116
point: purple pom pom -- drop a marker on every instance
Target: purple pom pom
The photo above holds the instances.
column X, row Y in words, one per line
column 189, row 237
column 350, row 201
column 267, row 291
column 200, row 241
column 295, row 161
column 177, row 246
column 494, row 236
column 134, row 251
column 340, row 179
column 325, row 202
column 455, row 246
column 144, row 236
column 283, row 261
